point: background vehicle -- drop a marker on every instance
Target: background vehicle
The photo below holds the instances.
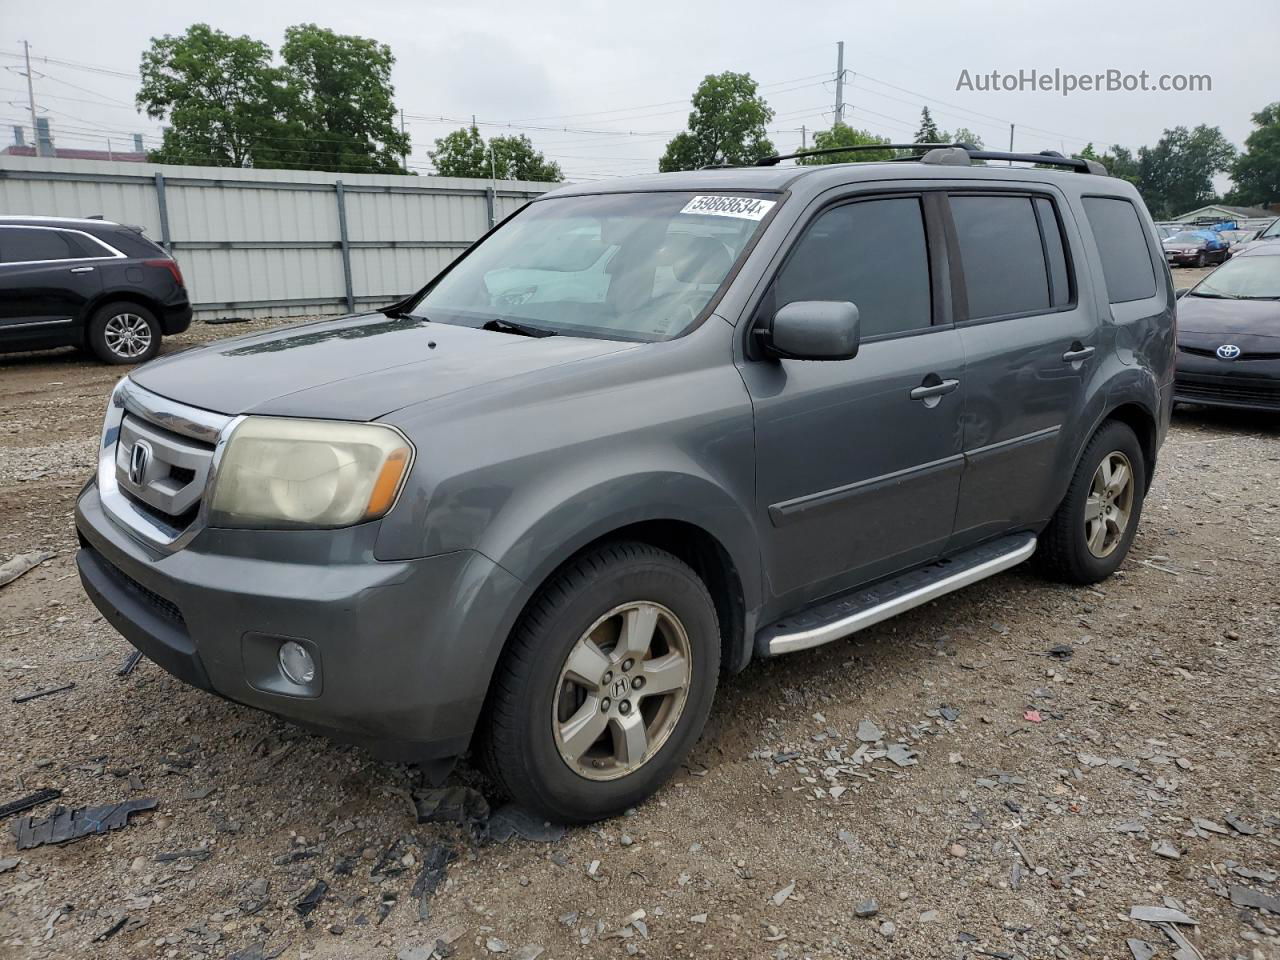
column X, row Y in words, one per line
column 1196, row 248
column 1237, row 240
column 92, row 284
column 1229, row 334
column 645, row 431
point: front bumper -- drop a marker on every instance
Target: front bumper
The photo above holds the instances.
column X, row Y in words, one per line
column 405, row 650
column 1184, row 259
column 1246, row 384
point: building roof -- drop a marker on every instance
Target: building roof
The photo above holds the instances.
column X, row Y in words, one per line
column 64, row 153
column 1240, row 213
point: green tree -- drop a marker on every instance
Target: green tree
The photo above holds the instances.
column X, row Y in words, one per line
column 726, row 126
column 1119, row 161
column 928, row 132
column 842, row 135
column 1256, row 172
column 339, row 95
column 221, row 98
column 464, row 153
column 963, row 135
column 1176, row 175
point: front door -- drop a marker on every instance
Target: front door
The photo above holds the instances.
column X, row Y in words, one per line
column 45, row 280
column 858, row 462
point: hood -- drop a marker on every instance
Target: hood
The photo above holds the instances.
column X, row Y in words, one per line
column 355, row 368
column 1252, row 325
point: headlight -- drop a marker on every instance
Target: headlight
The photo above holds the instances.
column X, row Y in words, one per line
column 276, row 472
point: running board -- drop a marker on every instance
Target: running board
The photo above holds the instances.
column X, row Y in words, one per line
column 866, row 607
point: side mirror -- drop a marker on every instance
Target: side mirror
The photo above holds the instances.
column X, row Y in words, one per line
column 1182, row 293
column 814, row 330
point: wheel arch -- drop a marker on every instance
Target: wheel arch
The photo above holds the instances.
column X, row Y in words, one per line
column 124, row 295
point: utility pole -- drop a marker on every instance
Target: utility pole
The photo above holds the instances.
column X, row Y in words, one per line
column 404, row 157
column 31, row 100
column 839, row 81
column 1011, row 142
column 804, row 132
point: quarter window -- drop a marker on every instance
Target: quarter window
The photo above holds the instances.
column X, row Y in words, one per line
column 871, row 253
column 1000, row 250
column 1055, row 253
column 1122, row 245
column 22, row 244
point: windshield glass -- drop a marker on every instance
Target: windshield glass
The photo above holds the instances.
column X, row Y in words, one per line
column 629, row 266
column 1187, row 237
column 1271, row 231
column 1244, row 278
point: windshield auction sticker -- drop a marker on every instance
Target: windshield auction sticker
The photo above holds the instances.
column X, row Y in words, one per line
column 744, row 208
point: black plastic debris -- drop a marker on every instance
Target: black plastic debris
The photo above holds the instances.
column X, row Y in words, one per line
column 435, row 863
column 1062, row 651
column 257, row 951
column 451, row 805
column 112, row 930
column 46, row 692
column 130, row 662
column 199, row 854
column 511, row 821
column 312, row 899
column 27, row 802
column 65, row 825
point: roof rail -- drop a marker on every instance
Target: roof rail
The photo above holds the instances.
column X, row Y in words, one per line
column 949, row 153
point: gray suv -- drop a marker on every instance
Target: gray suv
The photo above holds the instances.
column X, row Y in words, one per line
column 641, row 433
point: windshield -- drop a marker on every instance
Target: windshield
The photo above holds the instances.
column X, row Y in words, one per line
column 1243, row 278
column 1272, row 231
column 1187, row 237
column 628, row 266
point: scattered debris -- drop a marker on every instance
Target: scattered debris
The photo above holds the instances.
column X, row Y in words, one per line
column 435, row 864
column 867, row 908
column 1032, row 715
column 15, row 567
column 29, row 801
column 949, row 714
column 1164, row 848
column 46, row 692
column 1140, row 949
column 312, row 899
column 451, row 805
column 510, row 821
column 1160, row 915
column 784, row 894
column 1240, row 826
column 9, row 863
column 130, row 662
column 1242, row 896
column 64, row 825
column 1062, row 651
column 197, row 854
column 901, row 754
column 868, row 732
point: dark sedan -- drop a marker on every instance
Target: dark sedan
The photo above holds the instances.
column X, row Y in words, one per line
column 1229, row 334
column 1193, row 248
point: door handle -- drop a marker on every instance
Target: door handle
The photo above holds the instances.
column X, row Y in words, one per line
column 930, row 391
column 1076, row 354
column 82, row 269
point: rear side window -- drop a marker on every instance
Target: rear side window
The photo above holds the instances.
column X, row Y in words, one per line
column 1122, row 245
column 1000, row 250
column 872, row 253
column 22, row 244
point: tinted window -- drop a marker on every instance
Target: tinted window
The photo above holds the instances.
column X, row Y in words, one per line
column 19, row 244
column 871, row 253
column 1055, row 253
column 1122, row 244
column 1004, row 268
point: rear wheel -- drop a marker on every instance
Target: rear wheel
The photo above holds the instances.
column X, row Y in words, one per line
column 1090, row 534
column 124, row 333
column 605, row 685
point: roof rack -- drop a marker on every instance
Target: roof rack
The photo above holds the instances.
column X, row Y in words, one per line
column 951, row 153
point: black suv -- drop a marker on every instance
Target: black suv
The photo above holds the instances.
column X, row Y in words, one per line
column 92, row 284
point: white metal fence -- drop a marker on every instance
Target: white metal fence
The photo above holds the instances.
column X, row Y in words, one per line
column 257, row 243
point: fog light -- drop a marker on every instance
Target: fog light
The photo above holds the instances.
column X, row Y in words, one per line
column 297, row 663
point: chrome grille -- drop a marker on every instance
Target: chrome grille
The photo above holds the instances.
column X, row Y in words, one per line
column 156, row 461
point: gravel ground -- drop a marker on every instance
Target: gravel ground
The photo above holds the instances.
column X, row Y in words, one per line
column 1004, row 773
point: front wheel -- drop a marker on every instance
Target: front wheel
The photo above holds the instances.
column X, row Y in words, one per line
column 1090, row 534
column 124, row 333
column 605, row 684
column 1201, row 259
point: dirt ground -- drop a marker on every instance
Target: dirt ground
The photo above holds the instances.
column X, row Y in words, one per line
column 1068, row 754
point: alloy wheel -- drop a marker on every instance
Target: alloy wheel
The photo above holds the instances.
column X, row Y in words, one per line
column 1109, row 505
column 127, row 335
column 621, row 691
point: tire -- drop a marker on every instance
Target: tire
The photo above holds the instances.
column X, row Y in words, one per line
column 526, row 745
column 1201, row 259
column 1067, row 551
column 123, row 333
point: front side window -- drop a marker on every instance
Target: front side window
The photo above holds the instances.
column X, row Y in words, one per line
column 1122, row 245
column 1271, row 232
column 629, row 266
column 1000, row 250
column 25, row 244
column 871, row 253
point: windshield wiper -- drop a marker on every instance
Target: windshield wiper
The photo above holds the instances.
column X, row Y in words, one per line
column 521, row 329
column 1212, row 296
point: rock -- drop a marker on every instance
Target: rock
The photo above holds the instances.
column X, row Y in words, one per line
column 958, row 850
column 1167, row 850
column 416, row 953
column 1160, row 915
column 901, row 754
column 1242, row 896
column 888, row 929
column 868, row 732
column 530, row 951
column 867, row 908
column 698, row 918
column 928, row 916
column 494, row 945
column 10, row 863
column 782, row 895
column 1140, row 949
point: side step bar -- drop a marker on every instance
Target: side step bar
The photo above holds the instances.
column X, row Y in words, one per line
column 866, row 607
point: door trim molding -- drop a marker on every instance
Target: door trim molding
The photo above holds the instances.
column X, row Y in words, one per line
column 788, row 511
column 1000, row 446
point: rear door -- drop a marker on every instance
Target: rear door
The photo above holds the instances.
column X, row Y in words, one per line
column 47, row 276
column 857, row 468
column 1029, row 347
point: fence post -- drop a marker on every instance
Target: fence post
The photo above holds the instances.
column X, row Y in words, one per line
column 163, row 204
column 346, row 245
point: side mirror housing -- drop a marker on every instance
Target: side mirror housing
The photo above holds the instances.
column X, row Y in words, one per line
column 814, row 330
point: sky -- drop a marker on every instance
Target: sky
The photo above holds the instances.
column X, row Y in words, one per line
column 600, row 86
